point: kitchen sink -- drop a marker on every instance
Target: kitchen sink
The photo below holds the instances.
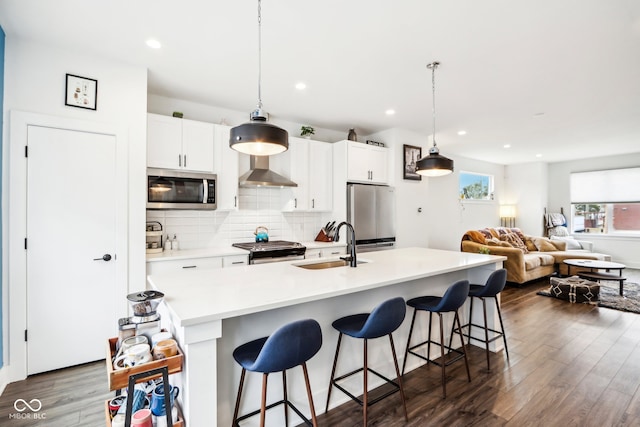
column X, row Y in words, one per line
column 327, row 264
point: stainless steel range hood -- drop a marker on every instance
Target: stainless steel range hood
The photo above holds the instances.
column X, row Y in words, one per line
column 260, row 175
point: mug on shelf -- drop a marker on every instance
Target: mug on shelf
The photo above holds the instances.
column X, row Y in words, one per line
column 160, row 336
column 135, row 355
column 142, row 418
column 157, row 399
column 165, row 348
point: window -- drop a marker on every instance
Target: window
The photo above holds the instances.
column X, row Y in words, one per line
column 475, row 186
column 606, row 202
column 608, row 218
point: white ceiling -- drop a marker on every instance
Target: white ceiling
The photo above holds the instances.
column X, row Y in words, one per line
column 560, row 78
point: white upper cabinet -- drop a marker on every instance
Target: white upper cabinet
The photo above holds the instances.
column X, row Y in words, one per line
column 367, row 163
column 321, row 176
column 310, row 165
column 227, row 169
column 174, row 143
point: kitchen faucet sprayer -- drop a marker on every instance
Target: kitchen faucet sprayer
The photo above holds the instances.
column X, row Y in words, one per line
column 352, row 256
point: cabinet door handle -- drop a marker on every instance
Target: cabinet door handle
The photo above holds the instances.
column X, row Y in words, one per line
column 295, row 203
column 189, row 266
column 185, row 160
column 335, row 253
column 313, row 203
column 237, row 262
column 235, row 201
column 179, row 160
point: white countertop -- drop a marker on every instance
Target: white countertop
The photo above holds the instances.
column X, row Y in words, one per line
column 224, row 251
column 203, row 296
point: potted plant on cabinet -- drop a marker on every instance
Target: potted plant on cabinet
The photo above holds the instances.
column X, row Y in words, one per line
column 307, row 131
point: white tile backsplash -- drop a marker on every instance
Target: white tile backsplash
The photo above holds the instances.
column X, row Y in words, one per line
column 257, row 206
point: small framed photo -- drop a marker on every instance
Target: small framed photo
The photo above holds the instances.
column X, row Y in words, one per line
column 411, row 156
column 81, row 92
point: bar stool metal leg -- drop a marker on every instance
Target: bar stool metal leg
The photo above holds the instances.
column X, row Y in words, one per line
column 333, row 372
column 365, row 400
column 263, row 405
column 309, row 396
column 286, row 407
column 235, row 412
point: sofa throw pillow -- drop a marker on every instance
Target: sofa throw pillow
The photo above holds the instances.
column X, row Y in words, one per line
column 497, row 242
column 515, row 241
column 544, row 245
column 572, row 244
column 529, row 244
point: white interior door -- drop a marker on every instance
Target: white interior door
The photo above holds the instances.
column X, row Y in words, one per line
column 71, row 226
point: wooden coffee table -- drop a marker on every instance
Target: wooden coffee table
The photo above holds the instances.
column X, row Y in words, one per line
column 594, row 272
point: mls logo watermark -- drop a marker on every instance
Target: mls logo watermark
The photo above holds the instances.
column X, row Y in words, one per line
column 27, row 410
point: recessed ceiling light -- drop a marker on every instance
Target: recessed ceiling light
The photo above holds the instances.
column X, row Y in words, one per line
column 538, row 155
column 462, row 132
column 154, row 44
column 390, row 112
column 507, row 145
column 301, row 86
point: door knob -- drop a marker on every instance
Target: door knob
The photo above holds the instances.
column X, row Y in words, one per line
column 105, row 257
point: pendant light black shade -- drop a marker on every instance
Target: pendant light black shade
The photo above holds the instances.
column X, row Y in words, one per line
column 257, row 137
column 434, row 164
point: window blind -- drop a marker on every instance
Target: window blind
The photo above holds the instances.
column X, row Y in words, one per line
column 606, row 186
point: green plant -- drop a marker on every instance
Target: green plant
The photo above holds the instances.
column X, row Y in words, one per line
column 307, row 131
column 484, row 250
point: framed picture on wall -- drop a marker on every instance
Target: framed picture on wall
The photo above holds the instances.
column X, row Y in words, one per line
column 411, row 155
column 81, row 92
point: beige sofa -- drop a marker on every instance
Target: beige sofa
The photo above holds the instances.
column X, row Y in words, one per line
column 537, row 256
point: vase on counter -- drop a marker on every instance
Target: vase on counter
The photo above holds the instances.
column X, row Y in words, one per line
column 352, row 135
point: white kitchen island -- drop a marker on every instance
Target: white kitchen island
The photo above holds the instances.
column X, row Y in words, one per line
column 212, row 312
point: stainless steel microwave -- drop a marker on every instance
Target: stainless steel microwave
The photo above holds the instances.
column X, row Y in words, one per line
column 171, row 189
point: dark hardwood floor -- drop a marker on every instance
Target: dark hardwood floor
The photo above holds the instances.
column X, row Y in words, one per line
column 570, row 365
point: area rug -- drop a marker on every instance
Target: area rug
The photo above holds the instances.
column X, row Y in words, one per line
column 610, row 297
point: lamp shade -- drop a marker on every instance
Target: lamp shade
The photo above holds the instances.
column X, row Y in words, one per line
column 507, row 211
column 434, row 165
column 259, row 138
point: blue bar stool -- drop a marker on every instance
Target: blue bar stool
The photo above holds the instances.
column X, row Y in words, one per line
column 494, row 285
column 452, row 300
column 383, row 320
column 291, row 345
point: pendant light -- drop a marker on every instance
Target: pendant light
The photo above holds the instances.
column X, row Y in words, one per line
column 258, row 137
column 434, row 164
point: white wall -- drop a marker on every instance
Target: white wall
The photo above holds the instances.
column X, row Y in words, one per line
column 449, row 216
column 622, row 249
column 411, row 225
column 35, row 82
column 444, row 217
column 206, row 113
column 526, row 188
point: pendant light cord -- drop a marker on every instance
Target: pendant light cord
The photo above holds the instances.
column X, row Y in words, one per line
column 433, row 67
column 259, row 54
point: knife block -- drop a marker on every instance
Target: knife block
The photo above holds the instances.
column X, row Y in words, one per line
column 322, row 237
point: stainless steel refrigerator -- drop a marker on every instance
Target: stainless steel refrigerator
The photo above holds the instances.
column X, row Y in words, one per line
column 371, row 209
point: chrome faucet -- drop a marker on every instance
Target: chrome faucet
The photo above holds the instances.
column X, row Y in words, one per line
column 352, row 256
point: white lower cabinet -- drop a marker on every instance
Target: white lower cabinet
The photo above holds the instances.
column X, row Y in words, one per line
column 235, row 261
column 207, row 263
column 325, row 252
